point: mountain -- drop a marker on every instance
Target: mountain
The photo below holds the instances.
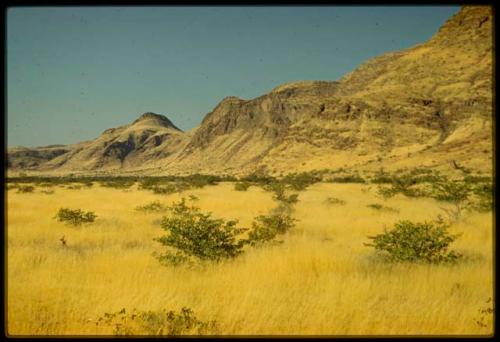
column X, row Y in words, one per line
column 427, row 106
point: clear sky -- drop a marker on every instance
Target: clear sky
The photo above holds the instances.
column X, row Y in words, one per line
column 73, row 72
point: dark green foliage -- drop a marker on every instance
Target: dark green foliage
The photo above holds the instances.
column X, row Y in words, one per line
column 158, row 323
column 280, row 193
column 484, row 193
column 381, row 207
column 402, row 185
column 25, row 189
column 152, row 206
column 335, row 201
column 485, row 314
column 242, row 186
column 75, row 217
column 265, row 228
column 454, row 192
column 301, row 181
column 118, row 183
column 348, row 179
column 416, row 242
column 258, row 179
column 12, row 186
column 196, row 236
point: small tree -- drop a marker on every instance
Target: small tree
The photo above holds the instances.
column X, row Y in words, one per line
column 242, row 186
column 75, row 217
column 25, row 189
column 194, row 235
column 266, row 228
column 457, row 193
column 408, row 241
column 156, row 323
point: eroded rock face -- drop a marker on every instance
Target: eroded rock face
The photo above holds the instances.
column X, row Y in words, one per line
column 422, row 106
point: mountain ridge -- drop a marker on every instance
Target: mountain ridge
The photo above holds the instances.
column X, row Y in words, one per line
column 429, row 105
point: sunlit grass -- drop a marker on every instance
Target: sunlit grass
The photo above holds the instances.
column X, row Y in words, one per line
column 322, row 280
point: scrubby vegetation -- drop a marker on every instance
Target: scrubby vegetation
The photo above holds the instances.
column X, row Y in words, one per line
column 25, row 189
column 335, row 201
column 196, row 236
column 75, row 217
column 381, row 207
column 266, row 228
column 301, row 181
column 416, row 242
column 242, row 186
column 281, row 193
column 156, row 323
column 154, row 206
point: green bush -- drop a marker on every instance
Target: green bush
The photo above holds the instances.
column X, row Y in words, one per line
column 416, row 242
column 280, row 193
column 458, row 193
column 75, row 217
column 265, row 228
column 335, row 201
column 152, row 206
column 484, row 194
column 158, row 323
column 118, row 183
column 196, row 236
column 348, row 179
column 301, row 181
column 242, row 186
column 403, row 185
column 25, row 189
column 381, row 207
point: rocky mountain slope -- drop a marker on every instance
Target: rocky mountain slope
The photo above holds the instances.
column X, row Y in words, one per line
column 427, row 106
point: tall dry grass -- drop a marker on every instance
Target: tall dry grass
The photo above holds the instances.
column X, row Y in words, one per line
column 322, row 280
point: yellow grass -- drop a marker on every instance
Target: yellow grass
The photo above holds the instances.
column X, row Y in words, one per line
column 322, row 280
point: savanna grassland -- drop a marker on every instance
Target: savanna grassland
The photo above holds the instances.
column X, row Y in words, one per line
column 321, row 280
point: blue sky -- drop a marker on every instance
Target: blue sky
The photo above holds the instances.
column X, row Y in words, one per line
column 73, row 72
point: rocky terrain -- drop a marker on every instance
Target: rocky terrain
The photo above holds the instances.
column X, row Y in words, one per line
column 427, row 106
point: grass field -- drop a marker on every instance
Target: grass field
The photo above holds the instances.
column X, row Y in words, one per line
column 322, row 280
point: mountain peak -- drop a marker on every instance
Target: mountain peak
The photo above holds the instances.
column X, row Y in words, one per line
column 155, row 119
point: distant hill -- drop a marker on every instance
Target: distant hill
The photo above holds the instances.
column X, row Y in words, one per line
column 427, row 106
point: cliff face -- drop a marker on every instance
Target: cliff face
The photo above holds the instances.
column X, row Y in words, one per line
column 428, row 105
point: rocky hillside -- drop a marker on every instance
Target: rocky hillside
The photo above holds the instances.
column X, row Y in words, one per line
column 427, row 106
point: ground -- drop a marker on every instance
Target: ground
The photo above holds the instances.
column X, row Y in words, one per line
column 322, row 280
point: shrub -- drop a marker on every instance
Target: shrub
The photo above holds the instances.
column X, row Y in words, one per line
column 242, row 186
column 258, row 178
column 381, row 207
column 25, row 189
column 416, row 242
column 47, row 192
column 159, row 323
column 280, row 193
column 152, row 206
column 118, row 183
column 335, row 201
column 301, row 181
column 199, row 181
column 484, row 193
column 266, row 228
column 75, row 217
column 348, row 179
column 381, row 177
column 403, row 185
column 458, row 193
column 194, row 235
